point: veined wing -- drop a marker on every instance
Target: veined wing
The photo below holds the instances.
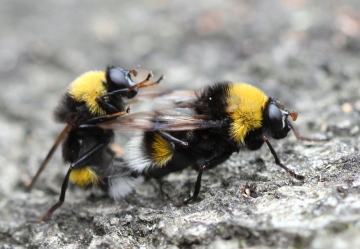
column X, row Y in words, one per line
column 176, row 119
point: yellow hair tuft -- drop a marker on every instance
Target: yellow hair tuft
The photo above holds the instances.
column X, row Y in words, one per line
column 162, row 150
column 83, row 177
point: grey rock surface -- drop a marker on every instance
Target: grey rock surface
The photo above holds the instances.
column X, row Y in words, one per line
column 305, row 53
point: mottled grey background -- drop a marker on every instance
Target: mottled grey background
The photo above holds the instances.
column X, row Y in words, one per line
column 306, row 53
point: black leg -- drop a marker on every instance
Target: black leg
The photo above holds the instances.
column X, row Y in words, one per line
column 196, row 190
column 277, row 161
column 49, row 155
column 106, row 106
column 61, row 198
column 83, row 160
column 209, row 164
column 173, row 139
column 80, row 162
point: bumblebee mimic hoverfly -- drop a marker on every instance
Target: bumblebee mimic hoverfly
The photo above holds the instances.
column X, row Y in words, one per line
column 93, row 97
column 205, row 131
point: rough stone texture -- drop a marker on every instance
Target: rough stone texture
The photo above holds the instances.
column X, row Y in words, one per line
column 305, row 53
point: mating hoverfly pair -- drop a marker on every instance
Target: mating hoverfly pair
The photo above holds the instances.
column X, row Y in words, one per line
column 201, row 132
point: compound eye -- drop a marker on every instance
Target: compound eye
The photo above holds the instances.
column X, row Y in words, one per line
column 276, row 118
column 118, row 77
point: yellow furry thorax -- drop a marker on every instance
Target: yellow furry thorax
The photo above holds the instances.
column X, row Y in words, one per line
column 87, row 87
column 245, row 106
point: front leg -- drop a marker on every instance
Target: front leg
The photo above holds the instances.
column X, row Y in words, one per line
column 277, row 161
column 89, row 123
column 105, row 105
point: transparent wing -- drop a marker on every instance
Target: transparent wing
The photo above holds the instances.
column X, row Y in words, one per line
column 162, row 99
column 176, row 119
